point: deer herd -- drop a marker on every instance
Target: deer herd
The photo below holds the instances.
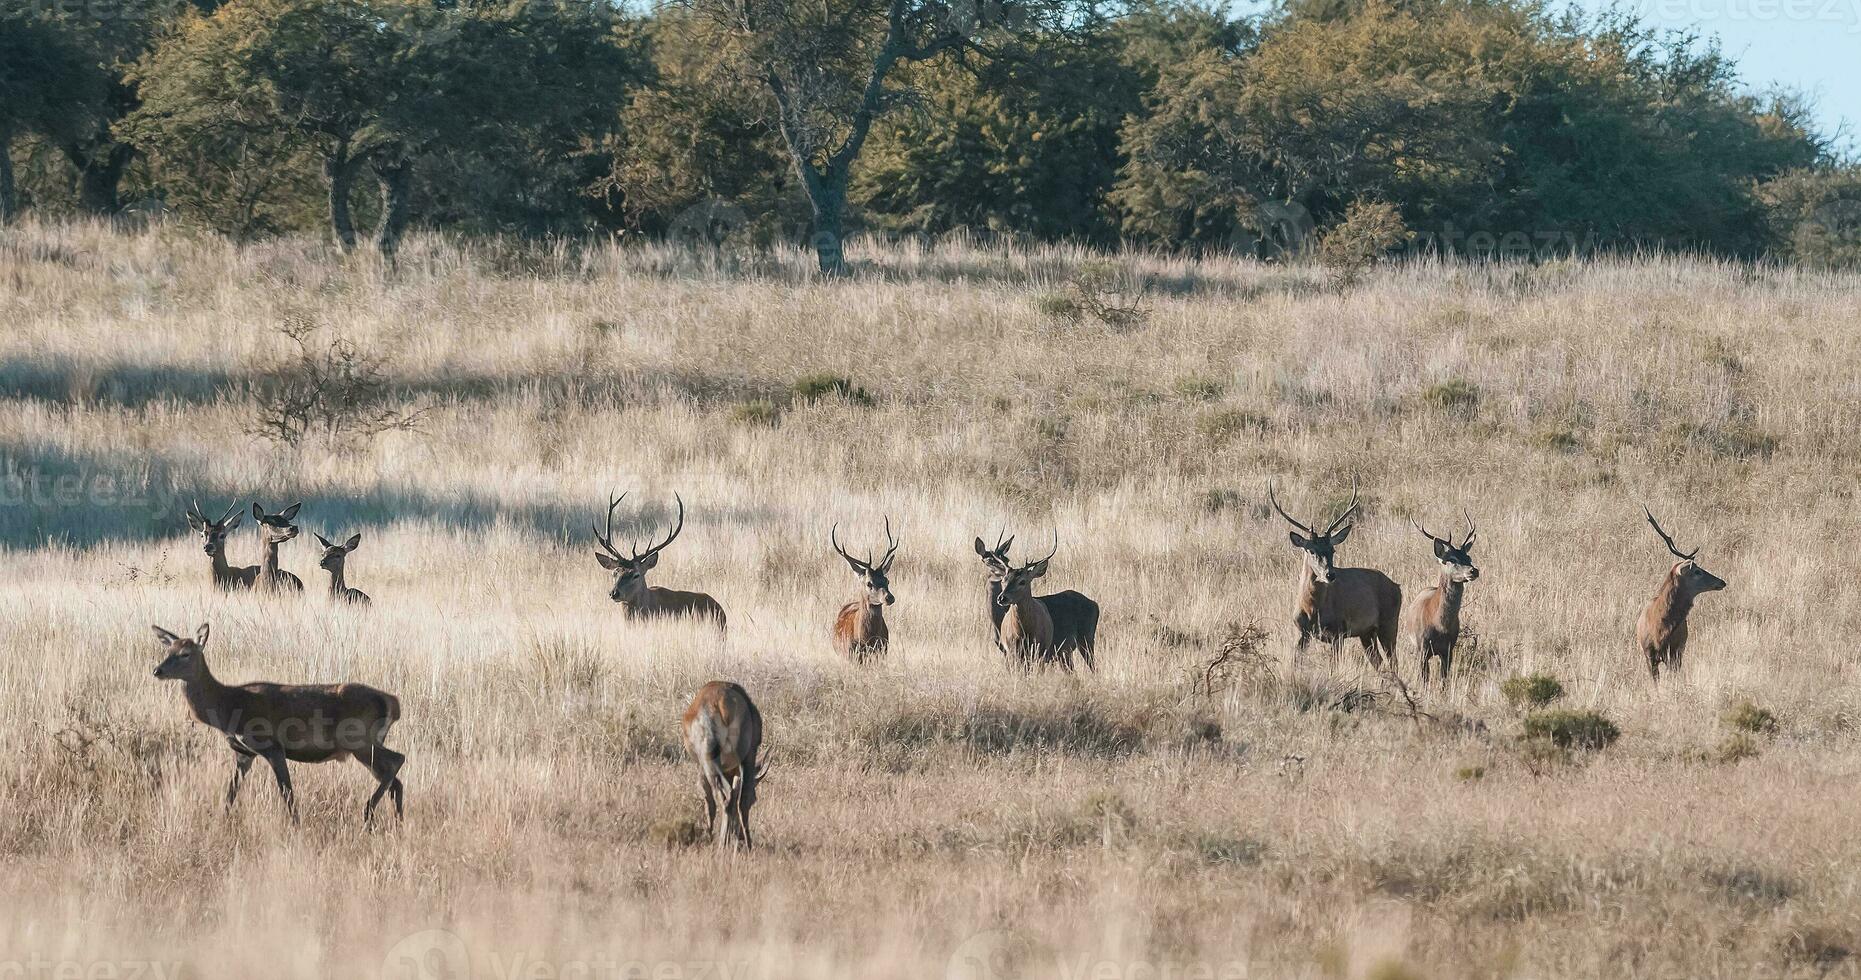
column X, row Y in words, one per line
column 722, row 728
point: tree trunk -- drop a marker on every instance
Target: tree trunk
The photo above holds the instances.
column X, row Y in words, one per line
column 829, row 203
column 100, row 170
column 396, row 174
column 9, row 195
column 339, row 168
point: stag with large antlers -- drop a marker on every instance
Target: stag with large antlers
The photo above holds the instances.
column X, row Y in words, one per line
column 1662, row 630
column 1075, row 617
column 1336, row 604
column 859, row 629
column 639, row 600
column 1433, row 619
column 213, row 542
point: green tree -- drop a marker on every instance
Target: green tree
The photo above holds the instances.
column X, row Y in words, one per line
column 37, row 62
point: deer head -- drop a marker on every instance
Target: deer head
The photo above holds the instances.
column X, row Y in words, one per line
column 1692, row 578
column 872, row 576
column 185, row 658
column 996, row 558
column 1018, row 580
column 1456, row 559
column 630, row 569
column 213, row 533
column 1319, row 547
column 333, row 554
column 276, row 528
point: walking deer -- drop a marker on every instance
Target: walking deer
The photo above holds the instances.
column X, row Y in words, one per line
column 636, row 598
column 283, row 723
column 1336, row 604
column 274, row 530
column 1075, row 617
column 213, row 542
column 334, row 557
column 723, row 733
column 1662, row 629
column 1433, row 619
column 859, row 629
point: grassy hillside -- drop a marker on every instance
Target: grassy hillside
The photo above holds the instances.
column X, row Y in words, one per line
column 1270, row 816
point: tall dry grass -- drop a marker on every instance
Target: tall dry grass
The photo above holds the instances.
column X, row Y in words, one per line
column 937, row 814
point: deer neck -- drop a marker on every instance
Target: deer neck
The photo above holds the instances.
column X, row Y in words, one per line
column 1312, row 592
column 1452, row 591
column 871, row 616
column 338, row 585
column 1675, row 599
column 222, row 572
column 268, row 561
column 206, row 698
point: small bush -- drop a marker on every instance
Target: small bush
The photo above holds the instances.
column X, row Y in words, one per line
column 1091, row 292
column 1221, row 499
column 1559, row 441
column 1201, row 389
column 1062, row 307
column 761, row 412
column 1221, row 426
column 1367, row 232
column 1455, row 395
column 1470, row 774
column 677, row 832
column 818, row 386
column 1737, row 747
column 1108, row 811
column 1572, row 729
column 1747, row 717
column 1531, row 690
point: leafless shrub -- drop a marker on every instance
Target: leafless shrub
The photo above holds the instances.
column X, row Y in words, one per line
column 333, row 388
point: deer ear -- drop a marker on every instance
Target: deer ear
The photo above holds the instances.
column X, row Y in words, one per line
column 258, row 513
column 193, row 522
column 1342, row 533
column 291, row 511
column 982, row 550
column 325, row 542
column 1037, row 569
column 234, row 522
column 648, row 562
column 1440, row 551
column 1297, row 540
column 164, row 637
column 607, row 561
column 200, row 635
column 354, row 541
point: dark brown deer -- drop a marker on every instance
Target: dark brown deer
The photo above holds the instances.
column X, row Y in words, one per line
column 273, row 531
column 288, row 722
column 1336, row 604
column 1433, row 619
column 636, row 598
column 1662, row 629
column 1075, row 617
column 213, row 542
column 723, row 733
column 335, row 556
column 859, row 629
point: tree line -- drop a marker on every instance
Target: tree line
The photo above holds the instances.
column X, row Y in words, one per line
column 1471, row 127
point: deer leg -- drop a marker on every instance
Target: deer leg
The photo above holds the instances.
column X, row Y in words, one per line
column 241, row 762
column 1447, row 664
column 710, row 805
column 1372, row 654
column 275, row 756
column 386, row 764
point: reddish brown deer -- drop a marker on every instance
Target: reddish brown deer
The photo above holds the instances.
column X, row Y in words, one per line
column 274, row 530
column 1662, row 629
column 288, row 722
column 1075, row 617
column 859, row 629
column 1027, row 628
column 636, row 598
column 1336, row 604
column 723, row 733
column 335, row 556
column 1433, row 619
column 213, row 542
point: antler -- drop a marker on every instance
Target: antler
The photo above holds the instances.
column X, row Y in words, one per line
column 676, row 528
column 606, row 540
column 1471, row 529
column 1449, row 543
column 1348, row 511
column 858, row 566
column 1050, row 553
column 1665, row 538
column 1271, row 499
column 891, row 548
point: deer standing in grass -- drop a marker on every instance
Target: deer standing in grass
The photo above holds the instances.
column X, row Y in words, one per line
column 859, row 629
column 274, row 530
column 334, row 557
column 636, row 598
column 1336, row 604
column 213, row 542
column 1433, row 619
column 1075, row 617
column 1662, row 630
column 283, row 723
column 723, row 733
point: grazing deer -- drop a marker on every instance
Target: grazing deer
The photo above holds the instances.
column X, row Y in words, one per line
column 213, row 542
column 334, row 555
column 274, row 530
column 1336, row 604
column 288, row 722
column 859, row 629
column 1662, row 630
column 639, row 600
column 1075, row 617
column 723, row 732
column 1433, row 618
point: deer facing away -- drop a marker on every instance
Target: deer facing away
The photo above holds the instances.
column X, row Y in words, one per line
column 283, row 723
column 333, row 560
column 1662, row 629
column 213, row 542
column 723, row 733
column 1075, row 617
column 859, row 628
column 1433, row 619
column 1336, row 604
column 636, row 598
column 274, row 530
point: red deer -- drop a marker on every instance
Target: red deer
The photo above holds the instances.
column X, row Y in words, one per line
column 723, row 733
column 334, row 557
column 859, row 629
column 213, row 542
column 1662, row 630
column 636, row 598
column 1075, row 617
column 1336, row 604
column 288, row 722
column 1433, row 619
column 274, row 530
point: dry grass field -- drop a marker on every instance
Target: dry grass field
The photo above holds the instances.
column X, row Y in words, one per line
column 938, row 814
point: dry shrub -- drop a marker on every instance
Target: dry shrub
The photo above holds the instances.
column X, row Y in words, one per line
column 333, row 388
